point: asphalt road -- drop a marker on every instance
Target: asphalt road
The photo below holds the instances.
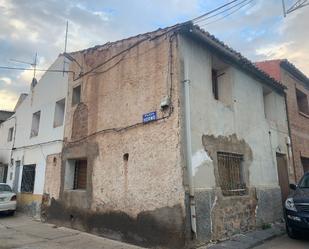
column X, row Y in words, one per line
column 21, row 232
column 284, row 242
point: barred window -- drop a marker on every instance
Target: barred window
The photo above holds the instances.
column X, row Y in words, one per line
column 231, row 175
column 80, row 174
column 28, row 178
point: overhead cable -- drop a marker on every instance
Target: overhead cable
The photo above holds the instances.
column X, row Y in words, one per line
column 230, row 13
column 221, row 12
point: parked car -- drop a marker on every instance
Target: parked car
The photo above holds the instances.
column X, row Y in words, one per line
column 297, row 208
column 7, row 199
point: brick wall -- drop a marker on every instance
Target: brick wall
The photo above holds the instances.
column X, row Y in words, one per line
column 139, row 197
column 299, row 123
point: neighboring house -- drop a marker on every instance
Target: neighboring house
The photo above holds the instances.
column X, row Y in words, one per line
column 169, row 135
column 297, row 94
column 39, row 119
column 7, row 131
column 4, row 115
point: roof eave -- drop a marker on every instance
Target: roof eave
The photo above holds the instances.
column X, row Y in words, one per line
column 233, row 57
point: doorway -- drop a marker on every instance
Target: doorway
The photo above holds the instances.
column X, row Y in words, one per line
column 283, row 176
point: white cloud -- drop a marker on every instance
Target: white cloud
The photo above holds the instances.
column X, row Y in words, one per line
column 258, row 31
column 7, row 100
column 6, row 80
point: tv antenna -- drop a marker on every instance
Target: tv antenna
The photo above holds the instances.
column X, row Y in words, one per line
column 33, row 64
column 297, row 5
column 65, row 46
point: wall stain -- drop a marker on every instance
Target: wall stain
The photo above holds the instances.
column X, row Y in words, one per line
column 150, row 228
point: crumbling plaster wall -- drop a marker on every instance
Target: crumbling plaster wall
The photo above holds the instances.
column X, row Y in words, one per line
column 141, row 200
column 243, row 128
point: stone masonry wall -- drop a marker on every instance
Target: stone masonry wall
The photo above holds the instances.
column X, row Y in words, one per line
column 134, row 175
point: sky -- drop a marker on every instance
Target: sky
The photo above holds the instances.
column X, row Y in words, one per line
column 258, row 30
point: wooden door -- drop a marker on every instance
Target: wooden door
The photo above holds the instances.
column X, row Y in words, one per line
column 283, row 175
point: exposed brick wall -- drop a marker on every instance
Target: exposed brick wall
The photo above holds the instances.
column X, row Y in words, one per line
column 53, row 175
column 143, row 195
column 299, row 123
column 80, row 121
column 271, row 67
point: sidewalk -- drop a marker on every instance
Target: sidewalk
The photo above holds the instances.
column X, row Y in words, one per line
column 22, row 232
column 250, row 239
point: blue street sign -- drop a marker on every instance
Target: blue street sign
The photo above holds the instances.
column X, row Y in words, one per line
column 148, row 117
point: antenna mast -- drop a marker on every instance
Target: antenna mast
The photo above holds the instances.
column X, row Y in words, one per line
column 297, row 5
column 65, row 45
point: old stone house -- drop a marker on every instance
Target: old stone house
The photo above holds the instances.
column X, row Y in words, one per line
column 297, row 84
column 170, row 137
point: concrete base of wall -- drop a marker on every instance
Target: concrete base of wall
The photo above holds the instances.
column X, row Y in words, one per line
column 29, row 204
column 269, row 207
column 220, row 217
column 160, row 227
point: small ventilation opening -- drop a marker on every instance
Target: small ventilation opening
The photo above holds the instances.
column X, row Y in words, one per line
column 126, row 157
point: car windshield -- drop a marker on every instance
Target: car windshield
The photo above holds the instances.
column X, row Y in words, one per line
column 4, row 187
column 304, row 183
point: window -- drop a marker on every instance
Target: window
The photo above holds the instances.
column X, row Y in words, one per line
column 222, row 81
column 76, row 95
column 214, row 76
column 230, row 166
column 10, row 135
column 3, row 172
column 76, row 174
column 35, row 124
column 268, row 102
column 28, row 178
column 302, row 102
column 59, row 113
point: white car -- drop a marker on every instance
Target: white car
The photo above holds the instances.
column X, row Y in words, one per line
column 7, row 199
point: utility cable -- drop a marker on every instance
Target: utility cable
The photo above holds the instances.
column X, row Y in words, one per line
column 240, row 7
column 30, row 69
column 212, row 11
column 221, row 12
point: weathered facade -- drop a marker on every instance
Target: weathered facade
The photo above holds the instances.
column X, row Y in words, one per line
column 155, row 127
column 298, row 110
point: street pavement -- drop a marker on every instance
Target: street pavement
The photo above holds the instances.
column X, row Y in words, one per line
column 284, row 242
column 22, row 232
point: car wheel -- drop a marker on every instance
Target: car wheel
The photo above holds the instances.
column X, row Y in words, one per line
column 291, row 232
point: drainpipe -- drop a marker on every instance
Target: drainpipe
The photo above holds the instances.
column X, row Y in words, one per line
column 290, row 144
column 189, row 150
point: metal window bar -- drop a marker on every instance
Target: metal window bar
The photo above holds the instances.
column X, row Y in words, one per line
column 231, row 173
column 28, row 178
column 76, row 175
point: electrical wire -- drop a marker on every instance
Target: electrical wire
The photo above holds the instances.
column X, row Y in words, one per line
column 240, row 7
column 212, row 11
column 30, row 69
column 221, row 12
column 170, row 71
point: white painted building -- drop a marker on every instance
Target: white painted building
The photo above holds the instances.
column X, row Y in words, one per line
column 7, row 130
column 39, row 134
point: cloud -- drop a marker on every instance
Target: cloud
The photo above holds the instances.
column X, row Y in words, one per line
column 8, row 99
column 258, row 30
column 6, row 80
